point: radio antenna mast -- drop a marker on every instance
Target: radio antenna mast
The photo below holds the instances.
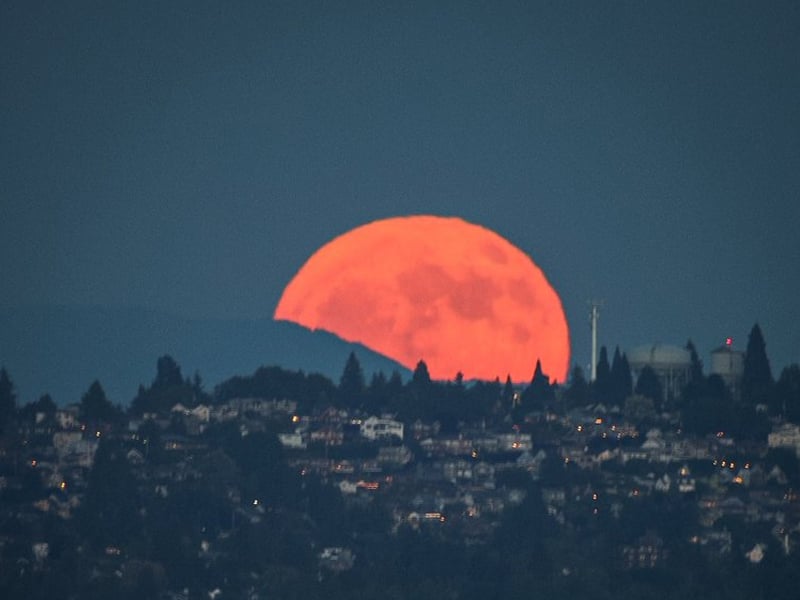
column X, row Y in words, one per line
column 594, row 316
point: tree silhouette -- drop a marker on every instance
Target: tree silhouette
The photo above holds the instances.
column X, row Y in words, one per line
column 757, row 376
column 601, row 386
column 578, row 392
column 508, row 393
column 696, row 386
column 168, row 389
column 696, row 365
column 95, row 407
column 8, row 399
column 787, row 393
column 43, row 409
column 621, row 382
column 711, row 411
column 168, row 373
column 351, row 383
column 420, row 388
column 539, row 393
column 109, row 513
column 649, row 386
column 421, row 377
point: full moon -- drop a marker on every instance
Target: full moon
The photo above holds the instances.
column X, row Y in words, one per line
column 438, row 289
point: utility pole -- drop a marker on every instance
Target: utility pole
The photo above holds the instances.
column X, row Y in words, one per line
column 594, row 315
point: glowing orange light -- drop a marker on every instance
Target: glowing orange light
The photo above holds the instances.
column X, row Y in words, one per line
column 442, row 290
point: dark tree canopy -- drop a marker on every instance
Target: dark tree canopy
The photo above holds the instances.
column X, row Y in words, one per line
column 621, row 380
column 96, row 407
column 275, row 382
column 395, row 383
column 421, row 377
column 43, row 409
column 757, row 377
column 602, row 386
column 351, row 383
column 696, row 386
column 168, row 389
column 710, row 411
column 109, row 515
column 46, row 405
column 696, row 365
column 787, row 393
column 539, row 393
column 168, row 373
column 421, row 390
column 578, row 392
column 649, row 386
column 8, row 399
column 508, row 392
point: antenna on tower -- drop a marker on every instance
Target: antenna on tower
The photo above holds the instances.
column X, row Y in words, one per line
column 594, row 316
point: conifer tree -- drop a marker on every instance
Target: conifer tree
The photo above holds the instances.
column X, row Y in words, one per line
column 601, row 387
column 621, row 382
column 539, row 393
column 168, row 373
column 95, row 406
column 508, row 392
column 577, row 394
column 649, row 386
column 351, row 384
column 757, row 379
column 421, row 377
column 696, row 365
column 787, row 393
column 8, row 399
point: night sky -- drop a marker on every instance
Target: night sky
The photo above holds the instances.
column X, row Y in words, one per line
column 190, row 156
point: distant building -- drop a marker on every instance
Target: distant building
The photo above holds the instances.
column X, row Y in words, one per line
column 670, row 363
column 337, row 559
column 67, row 417
column 786, row 435
column 647, row 553
column 729, row 365
column 293, row 440
column 375, row 428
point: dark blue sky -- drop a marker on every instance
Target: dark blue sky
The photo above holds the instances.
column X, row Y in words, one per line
column 189, row 156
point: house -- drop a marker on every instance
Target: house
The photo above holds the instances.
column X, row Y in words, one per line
column 73, row 449
column 200, row 412
column 294, row 441
column 531, row 462
column 785, row 436
column 647, row 553
column 337, row 559
column 663, row 484
column 375, row 428
column 686, row 483
column 67, row 417
column 514, row 442
column 395, row 455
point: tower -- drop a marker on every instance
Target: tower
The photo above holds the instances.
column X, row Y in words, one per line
column 594, row 315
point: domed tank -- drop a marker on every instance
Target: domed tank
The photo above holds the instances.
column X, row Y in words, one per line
column 659, row 356
column 670, row 363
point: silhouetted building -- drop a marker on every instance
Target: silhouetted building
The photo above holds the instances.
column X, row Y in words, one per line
column 729, row 365
column 670, row 363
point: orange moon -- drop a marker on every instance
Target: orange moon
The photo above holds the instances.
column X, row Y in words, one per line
column 438, row 289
